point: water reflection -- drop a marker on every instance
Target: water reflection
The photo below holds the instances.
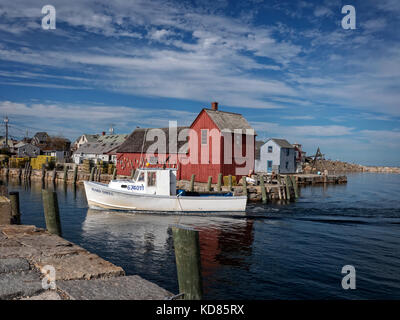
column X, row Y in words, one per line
column 223, row 241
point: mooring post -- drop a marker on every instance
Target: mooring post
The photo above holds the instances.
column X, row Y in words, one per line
column 295, row 188
column 51, row 212
column 65, row 177
column 230, row 182
column 188, row 263
column 20, row 173
column 244, row 183
column 287, row 183
column 91, row 174
column 263, row 191
column 219, row 183
column 98, row 178
column 132, row 173
column 209, row 183
column 191, row 189
column 54, row 175
column 43, row 172
column 15, row 212
column 75, row 173
column 114, row 175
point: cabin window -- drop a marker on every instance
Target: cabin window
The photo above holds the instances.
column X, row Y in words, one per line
column 151, row 178
column 204, row 136
column 269, row 149
column 141, row 177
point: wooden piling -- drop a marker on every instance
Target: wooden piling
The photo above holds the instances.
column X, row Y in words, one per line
column 295, row 187
column 51, row 212
column 15, row 211
column 188, row 263
column 132, row 173
column 209, row 183
column 244, row 183
column 54, row 177
column 114, row 175
column 230, row 182
column 263, row 191
column 191, row 188
column 287, row 183
column 75, row 174
column 43, row 172
column 219, row 183
column 65, row 177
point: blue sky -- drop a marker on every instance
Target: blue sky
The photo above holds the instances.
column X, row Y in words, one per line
column 288, row 67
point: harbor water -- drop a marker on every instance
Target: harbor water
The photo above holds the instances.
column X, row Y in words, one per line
column 278, row 251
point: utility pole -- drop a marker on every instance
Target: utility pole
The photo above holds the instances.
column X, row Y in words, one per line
column 6, row 124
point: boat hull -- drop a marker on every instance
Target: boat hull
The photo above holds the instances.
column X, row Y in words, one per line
column 100, row 196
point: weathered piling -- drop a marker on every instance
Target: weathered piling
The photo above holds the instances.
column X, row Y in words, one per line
column 209, row 183
column 263, row 191
column 188, row 263
column 65, row 176
column 54, row 176
column 92, row 174
column 192, row 183
column 244, row 183
column 132, row 173
column 43, row 172
column 75, row 174
column 230, row 185
column 15, row 211
column 219, row 183
column 287, row 183
column 51, row 212
column 114, row 175
column 295, row 188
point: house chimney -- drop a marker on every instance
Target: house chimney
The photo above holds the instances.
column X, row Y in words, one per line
column 103, row 133
column 214, row 105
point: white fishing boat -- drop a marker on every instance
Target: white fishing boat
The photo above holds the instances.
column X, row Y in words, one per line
column 154, row 189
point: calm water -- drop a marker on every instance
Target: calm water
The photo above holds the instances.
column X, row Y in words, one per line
column 293, row 251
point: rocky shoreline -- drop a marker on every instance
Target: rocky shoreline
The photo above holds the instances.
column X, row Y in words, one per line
column 334, row 167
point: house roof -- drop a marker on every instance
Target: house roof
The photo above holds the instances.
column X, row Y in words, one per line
column 41, row 136
column 228, row 121
column 104, row 144
column 282, row 143
column 136, row 142
column 258, row 148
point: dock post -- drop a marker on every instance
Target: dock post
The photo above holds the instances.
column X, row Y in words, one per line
column 244, row 183
column 191, row 189
column 75, row 173
column 92, row 174
column 209, row 183
column 188, row 263
column 132, row 173
column 263, row 191
column 295, row 188
column 287, row 182
column 15, row 212
column 219, row 183
column 54, row 175
column 114, row 175
column 230, row 182
column 43, row 172
column 65, row 178
column 51, row 212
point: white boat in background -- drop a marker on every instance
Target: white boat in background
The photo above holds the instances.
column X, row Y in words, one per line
column 154, row 189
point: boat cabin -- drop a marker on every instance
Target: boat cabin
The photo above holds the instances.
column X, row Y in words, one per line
column 149, row 181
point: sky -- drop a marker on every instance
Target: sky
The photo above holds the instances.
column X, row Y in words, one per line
column 288, row 66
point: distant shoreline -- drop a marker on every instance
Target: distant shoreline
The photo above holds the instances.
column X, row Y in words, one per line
column 340, row 166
